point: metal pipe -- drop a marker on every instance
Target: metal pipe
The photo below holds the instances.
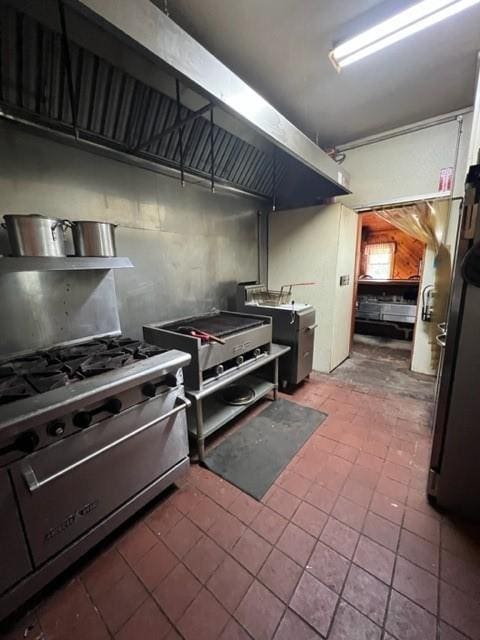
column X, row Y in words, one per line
column 196, row 178
column 179, row 124
column 274, row 179
column 68, row 67
column 401, row 131
column 180, row 131
column 212, row 155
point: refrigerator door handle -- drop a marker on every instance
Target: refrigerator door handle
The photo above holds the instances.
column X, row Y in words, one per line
column 441, row 339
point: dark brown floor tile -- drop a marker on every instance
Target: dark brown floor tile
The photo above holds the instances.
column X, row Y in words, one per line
column 182, row 537
column 120, row 602
column 176, row 592
column 396, row 472
column 382, row 531
column 280, row 574
column 422, row 525
column 447, row 633
column 417, row 584
column 220, row 491
column 314, row 602
column 155, row 565
column 366, row 593
column 185, row 499
column 321, row 497
column 460, row 611
column 226, row 530
column 418, row 551
column 233, row 631
column 251, row 550
column 230, row 583
column 328, row 566
column 349, row 513
column 310, row 519
column 204, row 618
column 69, row 612
column 393, row 489
column 387, row 508
column 204, row 558
column 103, row 572
column 27, row 626
column 375, row 559
column 357, row 493
column 345, row 451
column 461, row 574
column 245, row 508
column 163, row 518
column 418, row 500
column 147, row 622
column 407, row 621
column 205, row 513
column 292, row 627
column 260, row 612
column 296, row 543
column 349, row 623
column 294, row 483
column 282, row 502
column 136, row 542
column 340, row 537
column 269, row 524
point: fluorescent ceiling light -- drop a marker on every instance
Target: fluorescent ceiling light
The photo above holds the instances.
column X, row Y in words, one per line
column 406, row 23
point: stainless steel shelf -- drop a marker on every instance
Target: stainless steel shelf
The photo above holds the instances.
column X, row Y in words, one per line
column 70, row 263
column 217, row 413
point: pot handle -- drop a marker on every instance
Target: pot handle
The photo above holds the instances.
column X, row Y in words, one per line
column 60, row 223
column 3, row 225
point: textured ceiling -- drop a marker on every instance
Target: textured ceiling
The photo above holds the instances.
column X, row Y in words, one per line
column 280, row 47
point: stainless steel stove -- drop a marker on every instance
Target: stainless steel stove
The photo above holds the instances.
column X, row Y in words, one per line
column 89, row 433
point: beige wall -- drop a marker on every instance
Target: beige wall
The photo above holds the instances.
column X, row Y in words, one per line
column 304, row 246
column 407, row 165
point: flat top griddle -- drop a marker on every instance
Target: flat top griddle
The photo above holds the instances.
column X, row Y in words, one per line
column 218, row 325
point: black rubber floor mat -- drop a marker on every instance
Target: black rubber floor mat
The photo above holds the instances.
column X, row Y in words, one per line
column 253, row 457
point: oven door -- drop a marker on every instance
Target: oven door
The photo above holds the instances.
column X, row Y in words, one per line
column 65, row 489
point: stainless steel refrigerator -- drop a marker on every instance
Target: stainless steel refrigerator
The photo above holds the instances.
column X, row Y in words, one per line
column 454, row 479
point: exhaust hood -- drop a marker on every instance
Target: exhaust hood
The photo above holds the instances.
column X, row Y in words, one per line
column 116, row 107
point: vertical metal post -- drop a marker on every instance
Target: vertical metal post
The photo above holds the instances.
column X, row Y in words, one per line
column 274, row 178
column 199, row 420
column 68, row 67
column 180, row 133
column 275, row 378
column 212, row 155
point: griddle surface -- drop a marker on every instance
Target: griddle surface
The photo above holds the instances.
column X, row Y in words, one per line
column 219, row 325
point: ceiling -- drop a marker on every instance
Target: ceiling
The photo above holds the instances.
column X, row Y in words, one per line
column 280, row 48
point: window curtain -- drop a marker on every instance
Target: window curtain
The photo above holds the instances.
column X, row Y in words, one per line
column 418, row 220
column 380, row 247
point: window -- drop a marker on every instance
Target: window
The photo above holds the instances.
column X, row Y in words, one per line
column 379, row 260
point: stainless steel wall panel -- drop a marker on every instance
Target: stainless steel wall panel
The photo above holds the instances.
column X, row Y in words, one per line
column 46, row 308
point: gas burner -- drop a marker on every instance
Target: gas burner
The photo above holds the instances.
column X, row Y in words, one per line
column 14, row 388
column 83, row 350
column 146, row 350
column 47, row 380
column 26, row 364
column 123, row 343
column 102, row 363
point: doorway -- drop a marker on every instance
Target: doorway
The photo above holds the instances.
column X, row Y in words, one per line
column 389, row 273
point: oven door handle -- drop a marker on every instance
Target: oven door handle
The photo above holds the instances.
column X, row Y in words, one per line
column 33, row 483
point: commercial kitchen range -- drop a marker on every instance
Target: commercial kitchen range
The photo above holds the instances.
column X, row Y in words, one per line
column 89, row 433
column 240, row 356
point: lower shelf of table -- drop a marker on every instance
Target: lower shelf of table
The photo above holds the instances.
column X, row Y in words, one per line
column 217, row 413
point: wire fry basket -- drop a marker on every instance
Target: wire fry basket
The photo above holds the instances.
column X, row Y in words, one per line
column 262, row 295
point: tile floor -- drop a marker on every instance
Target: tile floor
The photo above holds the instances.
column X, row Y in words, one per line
column 344, row 546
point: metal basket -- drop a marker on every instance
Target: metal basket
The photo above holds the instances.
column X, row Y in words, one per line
column 262, row 295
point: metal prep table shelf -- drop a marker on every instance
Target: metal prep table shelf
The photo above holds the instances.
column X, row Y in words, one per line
column 208, row 414
column 217, row 413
